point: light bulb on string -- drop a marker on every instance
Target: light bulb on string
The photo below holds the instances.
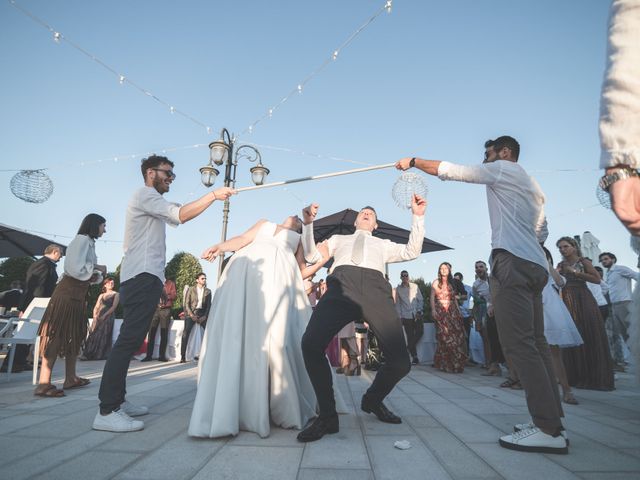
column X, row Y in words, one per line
column 388, row 5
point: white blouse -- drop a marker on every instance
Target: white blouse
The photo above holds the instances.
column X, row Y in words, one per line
column 80, row 258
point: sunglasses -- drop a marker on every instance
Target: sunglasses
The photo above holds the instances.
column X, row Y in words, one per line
column 168, row 173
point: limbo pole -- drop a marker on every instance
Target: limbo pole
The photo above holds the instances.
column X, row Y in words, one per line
column 316, row 177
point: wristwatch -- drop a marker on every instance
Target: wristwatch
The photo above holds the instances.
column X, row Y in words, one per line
column 621, row 174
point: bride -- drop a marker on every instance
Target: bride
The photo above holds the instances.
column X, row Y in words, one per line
column 251, row 369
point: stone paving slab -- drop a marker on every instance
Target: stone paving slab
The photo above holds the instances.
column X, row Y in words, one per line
column 452, row 421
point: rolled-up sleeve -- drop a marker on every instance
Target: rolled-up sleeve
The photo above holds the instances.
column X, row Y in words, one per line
column 486, row 174
column 620, row 99
column 154, row 204
column 396, row 252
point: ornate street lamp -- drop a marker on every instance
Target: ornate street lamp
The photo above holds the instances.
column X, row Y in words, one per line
column 221, row 152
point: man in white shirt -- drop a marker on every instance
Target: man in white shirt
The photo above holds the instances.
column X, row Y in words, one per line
column 409, row 306
column 518, row 275
column 357, row 289
column 618, row 278
column 142, row 279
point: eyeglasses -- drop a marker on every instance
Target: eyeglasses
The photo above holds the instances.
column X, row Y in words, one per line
column 168, row 173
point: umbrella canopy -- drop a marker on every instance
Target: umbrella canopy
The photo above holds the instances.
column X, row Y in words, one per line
column 18, row 243
column 342, row 223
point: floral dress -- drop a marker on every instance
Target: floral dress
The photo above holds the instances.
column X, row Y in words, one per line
column 450, row 353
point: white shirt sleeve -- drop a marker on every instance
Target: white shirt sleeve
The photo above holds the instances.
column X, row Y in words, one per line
column 311, row 253
column 80, row 258
column 486, row 174
column 396, row 252
column 154, row 204
column 620, row 99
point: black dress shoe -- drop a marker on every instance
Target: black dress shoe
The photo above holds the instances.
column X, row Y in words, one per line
column 319, row 428
column 383, row 413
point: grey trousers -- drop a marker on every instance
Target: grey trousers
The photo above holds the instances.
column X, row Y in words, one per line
column 516, row 289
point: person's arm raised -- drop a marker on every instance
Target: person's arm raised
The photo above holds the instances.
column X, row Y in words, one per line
column 192, row 209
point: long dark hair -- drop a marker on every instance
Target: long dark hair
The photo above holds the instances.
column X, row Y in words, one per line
column 90, row 225
column 449, row 277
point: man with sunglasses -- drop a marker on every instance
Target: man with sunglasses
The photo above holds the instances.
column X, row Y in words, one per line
column 519, row 272
column 142, row 278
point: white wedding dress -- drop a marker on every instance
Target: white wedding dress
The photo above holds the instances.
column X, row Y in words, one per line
column 251, row 369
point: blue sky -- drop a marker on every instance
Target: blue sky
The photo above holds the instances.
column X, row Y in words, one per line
column 433, row 79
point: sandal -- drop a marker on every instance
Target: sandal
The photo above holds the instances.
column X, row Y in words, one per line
column 509, row 383
column 79, row 382
column 48, row 391
column 569, row 399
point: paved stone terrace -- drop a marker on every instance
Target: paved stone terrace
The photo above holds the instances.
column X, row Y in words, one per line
column 452, row 421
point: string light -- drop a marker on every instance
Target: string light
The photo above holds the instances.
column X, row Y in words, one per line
column 334, row 55
column 58, row 37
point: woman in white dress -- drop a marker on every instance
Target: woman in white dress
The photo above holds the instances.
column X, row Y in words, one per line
column 559, row 327
column 251, row 370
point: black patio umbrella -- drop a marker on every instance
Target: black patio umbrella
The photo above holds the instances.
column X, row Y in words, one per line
column 342, row 223
column 18, row 243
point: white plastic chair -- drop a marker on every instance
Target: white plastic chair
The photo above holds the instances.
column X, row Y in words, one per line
column 26, row 333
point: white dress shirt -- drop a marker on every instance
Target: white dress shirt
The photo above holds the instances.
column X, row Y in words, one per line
column 598, row 291
column 516, row 206
column 409, row 301
column 144, row 233
column 377, row 252
column 80, row 257
column 619, row 281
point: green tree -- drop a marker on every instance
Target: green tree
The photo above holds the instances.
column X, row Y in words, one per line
column 14, row 269
column 182, row 269
column 425, row 290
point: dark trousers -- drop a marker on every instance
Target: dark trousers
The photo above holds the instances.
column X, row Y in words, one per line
column 413, row 328
column 186, row 332
column 516, row 288
column 354, row 293
column 494, row 341
column 139, row 297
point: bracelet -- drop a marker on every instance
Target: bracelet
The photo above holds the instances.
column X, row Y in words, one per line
column 621, row 174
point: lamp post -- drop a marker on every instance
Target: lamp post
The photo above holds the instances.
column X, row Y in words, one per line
column 225, row 152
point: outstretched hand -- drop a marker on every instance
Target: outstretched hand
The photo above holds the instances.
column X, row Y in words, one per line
column 418, row 204
column 211, row 253
column 404, row 163
column 309, row 213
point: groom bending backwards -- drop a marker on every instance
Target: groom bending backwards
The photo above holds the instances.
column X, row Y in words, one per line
column 357, row 289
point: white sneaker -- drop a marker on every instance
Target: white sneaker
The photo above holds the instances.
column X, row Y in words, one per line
column 534, row 440
column 116, row 421
column 133, row 410
column 525, row 426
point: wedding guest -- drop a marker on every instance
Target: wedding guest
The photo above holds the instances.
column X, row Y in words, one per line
column 618, row 278
column 589, row 365
column 467, row 319
column 40, row 282
column 142, row 280
column 196, row 306
column 161, row 318
column 409, row 306
column 450, row 353
column 98, row 343
column 357, row 289
column 518, row 276
column 63, row 327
